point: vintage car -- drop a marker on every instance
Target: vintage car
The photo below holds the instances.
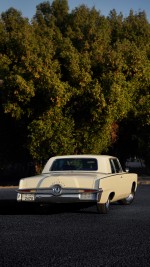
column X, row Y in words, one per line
column 96, row 179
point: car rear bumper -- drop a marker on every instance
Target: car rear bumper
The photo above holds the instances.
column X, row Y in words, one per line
column 43, row 197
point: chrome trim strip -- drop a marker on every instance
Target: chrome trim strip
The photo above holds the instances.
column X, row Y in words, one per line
column 63, row 198
column 67, row 190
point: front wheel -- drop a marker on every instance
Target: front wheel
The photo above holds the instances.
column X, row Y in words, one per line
column 103, row 208
column 128, row 200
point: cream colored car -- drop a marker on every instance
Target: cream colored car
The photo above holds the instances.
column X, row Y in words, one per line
column 96, row 179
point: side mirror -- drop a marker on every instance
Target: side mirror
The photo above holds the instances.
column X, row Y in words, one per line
column 126, row 169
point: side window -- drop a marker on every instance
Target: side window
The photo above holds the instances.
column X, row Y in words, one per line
column 112, row 166
column 117, row 165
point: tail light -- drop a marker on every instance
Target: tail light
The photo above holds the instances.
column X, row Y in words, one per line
column 26, row 191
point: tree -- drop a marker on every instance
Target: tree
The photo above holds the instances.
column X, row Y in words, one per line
column 74, row 82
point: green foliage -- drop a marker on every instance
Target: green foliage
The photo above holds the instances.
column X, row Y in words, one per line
column 51, row 134
column 73, row 82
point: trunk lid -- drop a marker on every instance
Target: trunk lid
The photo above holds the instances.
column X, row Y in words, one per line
column 65, row 179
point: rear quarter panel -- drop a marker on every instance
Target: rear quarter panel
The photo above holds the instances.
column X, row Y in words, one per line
column 119, row 184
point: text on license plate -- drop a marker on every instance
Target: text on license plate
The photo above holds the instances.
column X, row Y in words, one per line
column 28, row 197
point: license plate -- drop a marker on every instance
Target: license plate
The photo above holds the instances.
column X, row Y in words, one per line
column 87, row 196
column 28, row 197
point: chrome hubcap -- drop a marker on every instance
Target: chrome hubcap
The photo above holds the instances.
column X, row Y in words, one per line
column 130, row 197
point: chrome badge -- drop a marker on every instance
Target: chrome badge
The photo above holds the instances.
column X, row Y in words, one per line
column 56, row 189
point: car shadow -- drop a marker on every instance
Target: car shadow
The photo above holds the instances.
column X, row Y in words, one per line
column 12, row 207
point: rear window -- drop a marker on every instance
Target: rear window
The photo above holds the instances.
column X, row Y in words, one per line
column 74, row 164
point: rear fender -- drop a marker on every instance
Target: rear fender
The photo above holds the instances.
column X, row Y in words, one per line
column 105, row 195
column 106, row 191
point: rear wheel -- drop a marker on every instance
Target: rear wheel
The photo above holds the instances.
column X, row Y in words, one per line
column 103, row 208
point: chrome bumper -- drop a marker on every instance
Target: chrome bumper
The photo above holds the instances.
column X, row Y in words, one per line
column 66, row 196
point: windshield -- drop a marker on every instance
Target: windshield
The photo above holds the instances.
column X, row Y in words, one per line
column 74, row 164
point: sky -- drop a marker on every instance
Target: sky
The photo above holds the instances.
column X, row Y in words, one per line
column 28, row 7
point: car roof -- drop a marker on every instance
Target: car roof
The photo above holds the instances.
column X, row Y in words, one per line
column 83, row 156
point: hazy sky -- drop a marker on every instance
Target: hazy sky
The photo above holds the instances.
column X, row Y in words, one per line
column 28, row 7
